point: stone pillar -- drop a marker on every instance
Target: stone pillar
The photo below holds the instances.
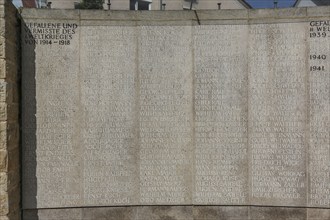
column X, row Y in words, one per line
column 9, row 119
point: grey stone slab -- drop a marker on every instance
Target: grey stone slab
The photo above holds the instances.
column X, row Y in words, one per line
column 318, row 214
column 165, row 15
column 224, row 22
column 277, row 114
column 108, row 124
column 165, row 115
column 322, row 11
column 107, row 15
column 178, row 213
column 262, row 13
column 277, row 20
column 53, row 214
column 46, row 14
column 109, row 213
column 292, row 13
column 137, row 15
column 318, row 114
column 149, row 108
column 282, row 13
column 104, row 23
column 166, row 23
column 204, row 15
column 220, row 103
column 164, row 212
column 277, row 213
column 220, row 212
column 51, row 173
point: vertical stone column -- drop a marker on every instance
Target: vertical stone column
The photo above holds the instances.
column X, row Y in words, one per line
column 220, row 101
column 277, row 114
column 108, row 95
column 319, row 112
column 165, row 114
column 51, row 111
column 9, row 126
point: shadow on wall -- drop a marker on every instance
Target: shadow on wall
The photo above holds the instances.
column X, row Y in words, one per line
column 28, row 121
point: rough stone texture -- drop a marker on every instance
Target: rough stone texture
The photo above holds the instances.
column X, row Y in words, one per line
column 113, row 213
column 220, row 212
column 52, row 214
column 165, row 113
column 9, row 107
column 164, row 213
column 139, row 108
column 61, row 89
column 114, row 122
column 275, row 213
column 318, row 214
column 277, row 110
column 319, row 119
column 179, row 213
column 220, row 105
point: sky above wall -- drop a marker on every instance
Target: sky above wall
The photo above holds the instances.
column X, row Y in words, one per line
column 270, row 3
column 253, row 3
column 17, row 3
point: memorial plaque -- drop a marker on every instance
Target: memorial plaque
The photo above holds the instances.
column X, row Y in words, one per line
column 319, row 113
column 166, row 114
column 136, row 109
column 52, row 159
column 220, row 103
column 108, row 114
column 277, row 114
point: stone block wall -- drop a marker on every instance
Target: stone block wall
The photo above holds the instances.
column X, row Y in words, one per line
column 9, row 114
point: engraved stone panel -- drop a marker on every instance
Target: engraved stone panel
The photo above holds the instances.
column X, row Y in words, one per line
column 50, row 102
column 277, row 114
column 165, row 114
column 108, row 115
column 319, row 113
column 220, row 103
column 140, row 110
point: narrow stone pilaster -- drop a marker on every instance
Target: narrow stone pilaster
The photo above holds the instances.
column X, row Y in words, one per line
column 9, row 117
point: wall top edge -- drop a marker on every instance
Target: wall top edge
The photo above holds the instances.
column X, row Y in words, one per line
column 236, row 14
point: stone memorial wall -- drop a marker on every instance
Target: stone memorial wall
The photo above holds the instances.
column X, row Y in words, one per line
column 176, row 108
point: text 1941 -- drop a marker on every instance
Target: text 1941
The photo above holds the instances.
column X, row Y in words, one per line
column 316, row 68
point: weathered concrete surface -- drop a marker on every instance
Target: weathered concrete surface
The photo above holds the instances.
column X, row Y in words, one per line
column 179, row 213
column 277, row 110
column 177, row 108
column 9, row 104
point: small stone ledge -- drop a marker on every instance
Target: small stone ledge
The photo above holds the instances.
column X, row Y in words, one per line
column 179, row 213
